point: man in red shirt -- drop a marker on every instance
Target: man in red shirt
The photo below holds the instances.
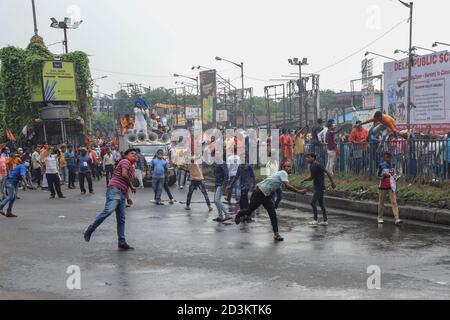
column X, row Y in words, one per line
column 116, row 198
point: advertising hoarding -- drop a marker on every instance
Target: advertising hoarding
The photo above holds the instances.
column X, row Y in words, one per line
column 208, row 93
column 429, row 92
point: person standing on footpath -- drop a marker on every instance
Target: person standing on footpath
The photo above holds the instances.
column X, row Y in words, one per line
column 116, row 198
column 85, row 171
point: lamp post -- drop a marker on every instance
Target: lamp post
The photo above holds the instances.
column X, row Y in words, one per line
column 379, row 55
column 297, row 62
column 422, row 48
column 176, row 75
column 239, row 65
column 437, row 43
column 410, row 6
column 34, row 18
column 66, row 24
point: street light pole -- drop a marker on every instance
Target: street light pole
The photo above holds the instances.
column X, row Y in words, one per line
column 34, row 18
column 244, row 113
column 300, row 95
column 239, row 65
column 410, row 65
column 66, row 45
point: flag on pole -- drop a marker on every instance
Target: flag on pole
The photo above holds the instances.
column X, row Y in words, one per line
column 10, row 136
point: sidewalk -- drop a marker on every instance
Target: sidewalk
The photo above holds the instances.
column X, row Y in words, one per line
column 302, row 202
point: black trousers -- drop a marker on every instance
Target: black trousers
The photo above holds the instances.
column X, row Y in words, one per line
column 88, row 177
column 72, row 176
column 258, row 198
column 318, row 197
column 167, row 189
column 243, row 201
column 54, row 184
column 192, row 187
column 37, row 176
column 109, row 170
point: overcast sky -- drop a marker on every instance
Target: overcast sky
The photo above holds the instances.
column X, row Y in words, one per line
column 146, row 41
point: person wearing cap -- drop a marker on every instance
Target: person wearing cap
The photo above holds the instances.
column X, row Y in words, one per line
column 17, row 175
column 117, row 197
column 388, row 187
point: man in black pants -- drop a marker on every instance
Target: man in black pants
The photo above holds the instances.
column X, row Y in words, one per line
column 262, row 196
column 317, row 175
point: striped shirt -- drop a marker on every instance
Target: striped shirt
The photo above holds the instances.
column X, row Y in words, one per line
column 119, row 182
column 51, row 165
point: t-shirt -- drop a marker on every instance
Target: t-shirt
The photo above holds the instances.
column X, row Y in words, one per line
column 119, row 182
column 108, row 159
column 17, row 173
column 315, row 133
column 273, row 183
column 84, row 164
column 286, row 143
column 329, row 139
column 3, row 172
column 233, row 163
column 67, row 155
column 62, row 161
column 388, row 122
column 299, row 144
column 51, row 164
column 35, row 158
column 195, row 170
column 317, row 173
column 159, row 167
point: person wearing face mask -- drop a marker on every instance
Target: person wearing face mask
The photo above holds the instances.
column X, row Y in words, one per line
column 116, row 198
column 52, row 172
column 17, row 175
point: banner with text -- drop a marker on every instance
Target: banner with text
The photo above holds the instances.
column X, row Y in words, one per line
column 429, row 92
column 208, row 92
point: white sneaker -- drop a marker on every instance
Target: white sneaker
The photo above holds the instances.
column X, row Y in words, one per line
column 314, row 223
column 323, row 223
column 380, row 221
column 181, row 188
column 398, row 222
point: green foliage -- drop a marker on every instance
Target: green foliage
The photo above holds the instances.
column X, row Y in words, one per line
column 15, row 90
column 84, row 84
column 20, row 69
column 102, row 122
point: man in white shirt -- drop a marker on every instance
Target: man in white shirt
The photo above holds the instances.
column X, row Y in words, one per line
column 233, row 163
column 52, row 173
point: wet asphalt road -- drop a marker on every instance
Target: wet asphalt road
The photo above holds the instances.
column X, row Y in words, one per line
column 185, row 255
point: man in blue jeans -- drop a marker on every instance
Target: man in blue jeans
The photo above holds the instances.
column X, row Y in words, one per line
column 159, row 169
column 19, row 173
column 116, row 198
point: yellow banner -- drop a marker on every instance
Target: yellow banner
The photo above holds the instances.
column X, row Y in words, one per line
column 58, row 80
